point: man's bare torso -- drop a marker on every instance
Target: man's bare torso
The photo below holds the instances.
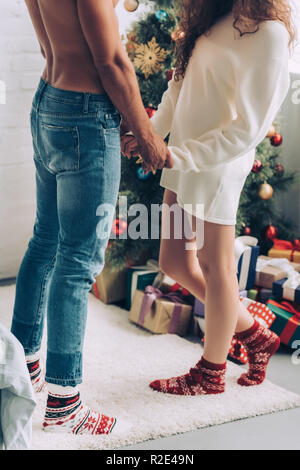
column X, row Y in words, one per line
column 69, row 63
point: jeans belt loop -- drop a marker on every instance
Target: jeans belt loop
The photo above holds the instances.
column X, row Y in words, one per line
column 86, row 103
column 42, row 89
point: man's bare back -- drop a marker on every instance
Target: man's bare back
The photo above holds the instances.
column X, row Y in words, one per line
column 69, row 62
column 81, row 43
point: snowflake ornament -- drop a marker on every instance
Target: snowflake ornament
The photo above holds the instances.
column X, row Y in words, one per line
column 149, row 57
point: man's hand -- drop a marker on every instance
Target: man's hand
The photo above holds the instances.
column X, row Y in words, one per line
column 154, row 152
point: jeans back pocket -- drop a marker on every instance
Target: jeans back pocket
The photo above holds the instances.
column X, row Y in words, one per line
column 59, row 147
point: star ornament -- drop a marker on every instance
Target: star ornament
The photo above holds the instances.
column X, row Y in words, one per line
column 149, row 57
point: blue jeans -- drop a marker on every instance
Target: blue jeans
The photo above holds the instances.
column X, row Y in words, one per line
column 76, row 140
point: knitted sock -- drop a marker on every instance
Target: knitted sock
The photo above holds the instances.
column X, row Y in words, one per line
column 33, row 365
column 66, row 413
column 204, row 379
column 261, row 344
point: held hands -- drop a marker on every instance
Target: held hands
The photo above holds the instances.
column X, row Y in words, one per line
column 153, row 152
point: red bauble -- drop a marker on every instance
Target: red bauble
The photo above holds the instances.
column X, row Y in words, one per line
column 257, row 166
column 247, row 231
column 150, row 111
column 276, row 140
column 279, row 169
column 170, row 74
column 270, row 232
column 119, row 226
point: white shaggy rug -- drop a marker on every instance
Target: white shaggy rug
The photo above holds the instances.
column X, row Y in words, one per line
column 119, row 362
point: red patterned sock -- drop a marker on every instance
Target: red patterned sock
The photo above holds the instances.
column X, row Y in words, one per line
column 204, row 379
column 261, row 344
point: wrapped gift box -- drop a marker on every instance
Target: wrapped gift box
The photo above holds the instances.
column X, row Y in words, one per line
column 269, row 270
column 166, row 284
column 288, row 289
column 287, row 322
column 110, row 285
column 285, row 249
column 138, row 278
column 259, row 311
column 243, row 293
column 160, row 313
column 261, row 294
column 264, row 295
column 252, row 294
column 246, row 255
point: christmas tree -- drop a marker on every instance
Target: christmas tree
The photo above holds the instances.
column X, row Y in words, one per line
column 151, row 45
column 259, row 212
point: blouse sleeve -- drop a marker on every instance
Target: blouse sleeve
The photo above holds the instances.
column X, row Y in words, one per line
column 162, row 119
column 262, row 83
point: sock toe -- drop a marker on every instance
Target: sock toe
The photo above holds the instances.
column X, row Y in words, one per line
column 155, row 385
column 121, row 427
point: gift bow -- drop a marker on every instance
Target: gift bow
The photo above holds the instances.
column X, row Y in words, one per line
column 281, row 263
column 290, row 308
column 287, row 245
column 151, row 295
column 291, row 284
column 292, row 324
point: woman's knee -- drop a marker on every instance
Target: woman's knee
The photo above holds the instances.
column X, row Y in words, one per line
column 216, row 267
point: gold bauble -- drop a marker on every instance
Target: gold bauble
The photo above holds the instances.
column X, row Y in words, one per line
column 265, row 191
column 131, row 5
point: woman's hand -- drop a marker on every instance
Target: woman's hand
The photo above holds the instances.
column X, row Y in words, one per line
column 154, row 152
column 129, row 146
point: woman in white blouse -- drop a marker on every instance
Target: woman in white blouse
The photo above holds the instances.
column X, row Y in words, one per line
column 230, row 80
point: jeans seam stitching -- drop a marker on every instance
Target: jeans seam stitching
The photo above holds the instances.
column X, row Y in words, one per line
column 47, row 270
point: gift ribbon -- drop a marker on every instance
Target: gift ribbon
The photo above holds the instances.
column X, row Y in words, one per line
column 134, row 280
column 241, row 244
column 241, row 248
column 290, row 285
column 150, row 296
column 280, row 263
column 293, row 323
column 286, row 245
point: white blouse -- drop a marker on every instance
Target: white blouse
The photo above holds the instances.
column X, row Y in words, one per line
column 221, row 110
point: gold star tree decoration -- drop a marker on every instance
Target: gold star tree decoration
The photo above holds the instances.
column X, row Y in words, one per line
column 149, row 57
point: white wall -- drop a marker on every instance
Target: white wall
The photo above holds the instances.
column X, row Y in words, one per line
column 20, row 68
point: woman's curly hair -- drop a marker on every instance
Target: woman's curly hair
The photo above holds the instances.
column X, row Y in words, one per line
column 198, row 16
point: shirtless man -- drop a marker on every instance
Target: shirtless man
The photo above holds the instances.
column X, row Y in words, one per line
column 87, row 84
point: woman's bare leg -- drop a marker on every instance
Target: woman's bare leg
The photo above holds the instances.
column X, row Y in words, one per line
column 222, row 302
column 182, row 265
column 209, row 273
